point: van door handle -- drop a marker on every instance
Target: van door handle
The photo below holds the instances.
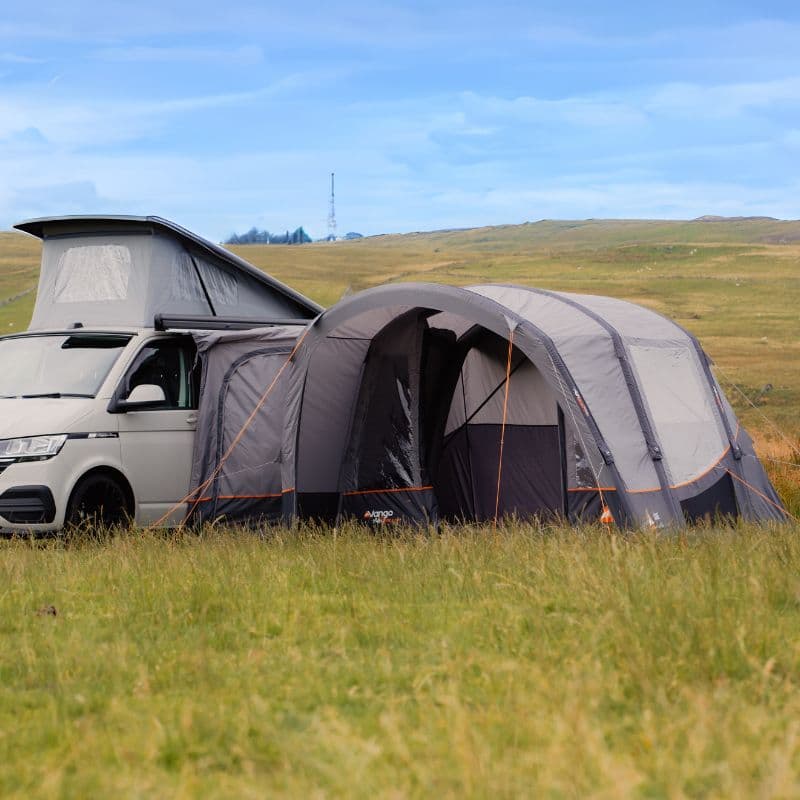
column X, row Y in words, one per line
column 191, row 419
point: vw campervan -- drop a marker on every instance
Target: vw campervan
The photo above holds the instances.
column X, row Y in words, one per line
column 98, row 398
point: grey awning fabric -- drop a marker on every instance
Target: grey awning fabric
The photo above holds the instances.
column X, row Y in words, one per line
column 608, row 363
column 242, row 371
column 396, row 404
column 355, row 318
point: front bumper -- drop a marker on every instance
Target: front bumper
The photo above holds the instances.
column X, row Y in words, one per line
column 56, row 476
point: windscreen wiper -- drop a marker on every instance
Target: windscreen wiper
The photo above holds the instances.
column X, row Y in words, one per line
column 53, row 394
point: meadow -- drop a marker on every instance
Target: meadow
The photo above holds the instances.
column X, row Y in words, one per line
column 526, row 661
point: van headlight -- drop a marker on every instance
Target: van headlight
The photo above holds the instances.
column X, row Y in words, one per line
column 31, row 448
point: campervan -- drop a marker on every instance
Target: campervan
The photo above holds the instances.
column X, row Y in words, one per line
column 99, row 397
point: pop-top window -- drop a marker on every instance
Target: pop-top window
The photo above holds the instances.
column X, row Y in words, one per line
column 184, row 284
column 681, row 408
column 93, row 273
column 222, row 286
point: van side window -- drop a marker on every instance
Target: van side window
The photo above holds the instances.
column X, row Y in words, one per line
column 170, row 364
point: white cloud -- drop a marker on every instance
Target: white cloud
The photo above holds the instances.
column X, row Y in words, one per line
column 16, row 58
column 74, row 197
column 245, row 55
column 26, row 30
column 722, row 100
column 450, row 125
column 554, row 199
column 77, row 123
column 388, row 25
column 792, row 137
column 598, row 110
column 766, row 37
column 216, row 195
column 635, row 107
column 446, row 160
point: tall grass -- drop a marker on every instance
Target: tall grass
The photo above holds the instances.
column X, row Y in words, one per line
column 527, row 661
column 781, row 458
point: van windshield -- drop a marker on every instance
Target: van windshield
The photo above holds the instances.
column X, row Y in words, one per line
column 62, row 365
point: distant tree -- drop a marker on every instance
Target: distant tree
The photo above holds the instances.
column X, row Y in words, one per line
column 255, row 236
column 300, row 236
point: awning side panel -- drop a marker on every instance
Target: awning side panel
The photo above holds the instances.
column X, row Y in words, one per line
column 242, row 482
column 324, row 397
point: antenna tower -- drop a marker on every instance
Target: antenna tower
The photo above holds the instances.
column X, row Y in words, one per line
column 332, row 216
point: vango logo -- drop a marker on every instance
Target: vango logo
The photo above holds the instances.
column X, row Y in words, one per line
column 378, row 516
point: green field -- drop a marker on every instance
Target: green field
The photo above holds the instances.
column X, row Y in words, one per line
column 735, row 283
column 525, row 661
column 520, row 663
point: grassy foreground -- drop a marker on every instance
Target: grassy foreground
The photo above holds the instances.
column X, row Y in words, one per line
column 525, row 662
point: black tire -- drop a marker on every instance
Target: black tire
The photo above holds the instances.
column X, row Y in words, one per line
column 98, row 500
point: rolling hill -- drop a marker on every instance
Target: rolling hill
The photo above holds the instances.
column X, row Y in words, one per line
column 734, row 282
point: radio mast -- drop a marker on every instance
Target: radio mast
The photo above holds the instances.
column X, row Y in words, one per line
column 332, row 216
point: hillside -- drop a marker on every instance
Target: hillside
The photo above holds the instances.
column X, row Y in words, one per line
column 735, row 283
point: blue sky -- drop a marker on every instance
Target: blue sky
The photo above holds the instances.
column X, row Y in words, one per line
column 226, row 115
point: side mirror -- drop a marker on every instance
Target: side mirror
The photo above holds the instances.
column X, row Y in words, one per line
column 143, row 396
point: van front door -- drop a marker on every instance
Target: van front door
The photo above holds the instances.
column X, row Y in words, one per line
column 157, row 443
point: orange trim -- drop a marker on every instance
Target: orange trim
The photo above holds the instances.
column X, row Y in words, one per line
column 704, row 472
column 386, row 491
column 242, row 496
column 714, row 465
column 685, row 483
column 763, row 496
column 658, row 488
column 503, row 427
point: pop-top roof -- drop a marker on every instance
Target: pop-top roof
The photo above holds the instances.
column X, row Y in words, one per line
column 127, row 269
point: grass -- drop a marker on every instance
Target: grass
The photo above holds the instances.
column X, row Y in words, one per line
column 19, row 274
column 528, row 661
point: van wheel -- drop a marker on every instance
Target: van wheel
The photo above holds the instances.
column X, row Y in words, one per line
column 97, row 500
